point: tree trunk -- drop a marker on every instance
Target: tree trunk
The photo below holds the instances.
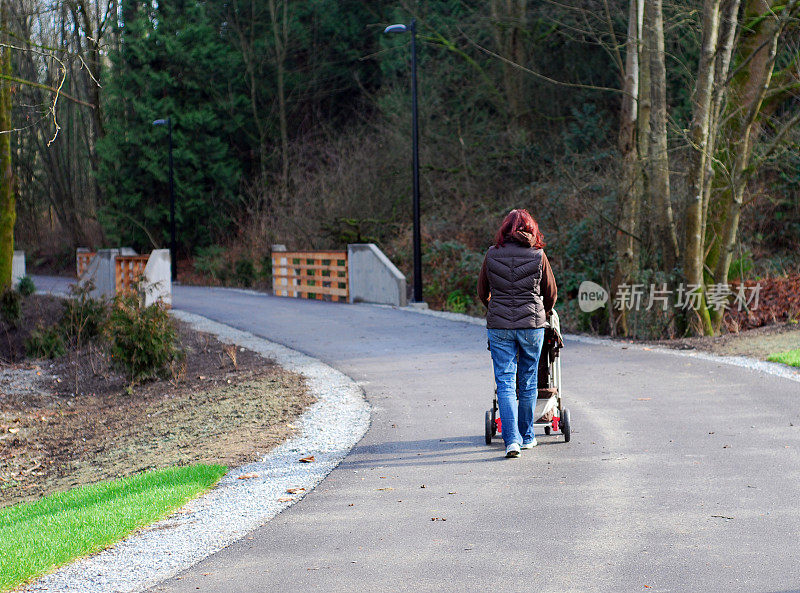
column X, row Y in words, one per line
column 243, row 23
column 280, row 34
column 509, row 18
column 629, row 193
column 659, row 157
column 729, row 28
column 89, row 46
column 8, row 212
column 694, row 254
column 644, row 103
column 643, row 135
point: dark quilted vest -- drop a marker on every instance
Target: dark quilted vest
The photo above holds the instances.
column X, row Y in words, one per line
column 515, row 272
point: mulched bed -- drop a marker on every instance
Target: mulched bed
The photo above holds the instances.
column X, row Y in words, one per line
column 74, row 420
column 37, row 310
column 778, row 302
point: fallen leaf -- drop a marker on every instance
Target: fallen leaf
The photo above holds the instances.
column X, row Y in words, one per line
column 285, row 499
column 643, row 399
column 423, row 486
column 247, row 476
column 385, row 489
column 295, row 490
column 308, row 459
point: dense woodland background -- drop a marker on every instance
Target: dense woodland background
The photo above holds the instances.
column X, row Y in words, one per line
column 654, row 140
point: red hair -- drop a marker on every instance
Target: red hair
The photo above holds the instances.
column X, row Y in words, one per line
column 517, row 222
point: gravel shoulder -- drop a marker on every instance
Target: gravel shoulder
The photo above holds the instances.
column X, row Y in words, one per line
column 247, row 496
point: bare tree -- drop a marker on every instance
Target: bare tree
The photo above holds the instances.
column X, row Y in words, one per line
column 59, row 54
column 279, row 16
column 509, row 23
column 698, row 137
column 751, row 86
column 244, row 17
column 659, row 187
column 630, row 189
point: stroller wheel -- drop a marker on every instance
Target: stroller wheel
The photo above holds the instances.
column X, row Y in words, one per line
column 488, row 427
column 566, row 428
column 547, row 429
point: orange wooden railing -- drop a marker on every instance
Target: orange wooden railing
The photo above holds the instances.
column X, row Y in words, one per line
column 129, row 269
column 83, row 259
column 320, row 275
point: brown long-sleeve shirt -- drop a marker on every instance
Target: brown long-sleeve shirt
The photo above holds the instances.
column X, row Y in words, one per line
column 547, row 285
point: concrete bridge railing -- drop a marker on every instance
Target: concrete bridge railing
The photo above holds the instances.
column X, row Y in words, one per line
column 118, row 271
column 363, row 273
column 373, row 277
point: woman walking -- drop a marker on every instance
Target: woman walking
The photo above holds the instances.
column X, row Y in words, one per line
column 517, row 286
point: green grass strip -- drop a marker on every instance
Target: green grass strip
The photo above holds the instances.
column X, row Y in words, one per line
column 792, row 357
column 36, row 537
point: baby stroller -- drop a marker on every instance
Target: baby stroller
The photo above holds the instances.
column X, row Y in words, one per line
column 550, row 411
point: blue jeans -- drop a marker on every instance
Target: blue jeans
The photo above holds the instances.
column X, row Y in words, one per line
column 516, row 351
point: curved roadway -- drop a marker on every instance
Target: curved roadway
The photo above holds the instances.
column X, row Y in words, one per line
column 682, row 475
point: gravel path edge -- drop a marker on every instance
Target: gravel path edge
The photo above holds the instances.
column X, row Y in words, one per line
column 328, row 430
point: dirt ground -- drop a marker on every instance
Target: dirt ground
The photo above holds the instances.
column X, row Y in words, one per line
column 37, row 310
column 71, row 421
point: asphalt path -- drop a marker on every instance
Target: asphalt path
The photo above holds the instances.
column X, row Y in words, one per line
column 681, row 475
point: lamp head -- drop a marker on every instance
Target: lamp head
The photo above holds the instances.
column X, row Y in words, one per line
column 160, row 122
column 396, row 29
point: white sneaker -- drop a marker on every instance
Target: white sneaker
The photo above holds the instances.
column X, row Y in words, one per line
column 512, row 450
column 530, row 445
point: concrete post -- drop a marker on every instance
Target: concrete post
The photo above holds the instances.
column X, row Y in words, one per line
column 279, row 286
column 373, row 278
column 17, row 268
column 158, row 278
column 102, row 273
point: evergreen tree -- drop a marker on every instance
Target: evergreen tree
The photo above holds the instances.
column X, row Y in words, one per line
column 173, row 61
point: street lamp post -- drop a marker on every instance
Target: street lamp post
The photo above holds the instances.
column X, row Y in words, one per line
column 412, row 27
column 172, row 248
